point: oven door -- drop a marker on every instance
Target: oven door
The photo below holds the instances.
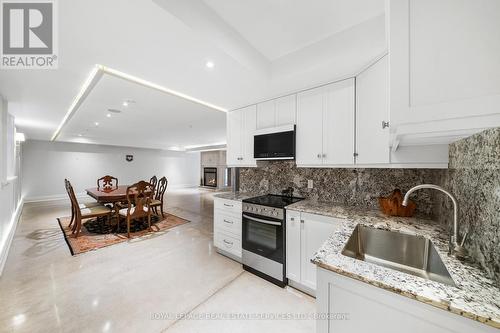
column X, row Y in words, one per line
column 263, row 236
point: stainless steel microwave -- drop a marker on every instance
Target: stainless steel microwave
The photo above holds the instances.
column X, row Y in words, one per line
column 274, row 143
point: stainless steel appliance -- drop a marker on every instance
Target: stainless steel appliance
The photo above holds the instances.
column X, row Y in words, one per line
column 263, row 236
column 275, row 143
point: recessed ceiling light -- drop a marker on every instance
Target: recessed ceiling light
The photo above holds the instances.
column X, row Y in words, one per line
column 209, row 64
column 125, row 103
column 96, row 123
column 108, row 115
column 80, row 134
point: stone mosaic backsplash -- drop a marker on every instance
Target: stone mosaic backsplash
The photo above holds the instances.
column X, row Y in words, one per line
column 474, row 178
column 354, row 187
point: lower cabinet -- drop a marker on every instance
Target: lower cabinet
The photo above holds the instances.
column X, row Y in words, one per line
column 305, row 234
column 356, row 306
column 227, row 227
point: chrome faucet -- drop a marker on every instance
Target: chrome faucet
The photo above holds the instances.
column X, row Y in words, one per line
column 455, row 248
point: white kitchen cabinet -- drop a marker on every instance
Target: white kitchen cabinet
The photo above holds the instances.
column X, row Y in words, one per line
column 441, row 82
column 372, row 114
column 338, row 123
column 325, row 125
column 361, row 307
column 227, row 227
column 276, row 112
column 293, row 245
column 306, row 233
column 309, row 135
column 241, row 125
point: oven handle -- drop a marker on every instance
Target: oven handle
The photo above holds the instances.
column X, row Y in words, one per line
column 260, row 220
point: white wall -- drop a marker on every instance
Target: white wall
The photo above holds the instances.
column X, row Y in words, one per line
column 10, row 202
column 46, row 164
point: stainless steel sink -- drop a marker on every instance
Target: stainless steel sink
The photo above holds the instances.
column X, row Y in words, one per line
column 409, row 254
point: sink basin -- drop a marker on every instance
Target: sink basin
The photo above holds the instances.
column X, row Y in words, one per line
column 415, row 255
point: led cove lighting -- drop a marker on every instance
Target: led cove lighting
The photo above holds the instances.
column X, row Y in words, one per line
column 92, row 79
column 97, row 73
column 20, row 137
column 152, row 85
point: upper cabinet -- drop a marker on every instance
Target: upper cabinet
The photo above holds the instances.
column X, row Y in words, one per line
column 444, row 70
column 325, row 125
column 241, row 124
column 276, row 112
column 372, row 114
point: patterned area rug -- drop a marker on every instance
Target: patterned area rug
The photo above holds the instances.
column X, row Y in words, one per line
column 98, row 233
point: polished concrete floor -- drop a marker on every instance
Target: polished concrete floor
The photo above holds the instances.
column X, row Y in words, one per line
column 174, row 282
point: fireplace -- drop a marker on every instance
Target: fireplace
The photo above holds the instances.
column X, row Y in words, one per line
column 210, row 177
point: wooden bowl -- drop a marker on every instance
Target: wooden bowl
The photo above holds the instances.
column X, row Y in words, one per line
column 392, row 205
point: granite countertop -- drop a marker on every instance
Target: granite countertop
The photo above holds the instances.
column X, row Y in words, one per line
column 237, row 196
column 475, row 297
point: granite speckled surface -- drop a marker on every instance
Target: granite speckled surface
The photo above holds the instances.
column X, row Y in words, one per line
column 474, row 178
column 352, row 187
column 475, row 297
column 237, row 196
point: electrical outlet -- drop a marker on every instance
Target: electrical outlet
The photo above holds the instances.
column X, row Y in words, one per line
column 309, row 183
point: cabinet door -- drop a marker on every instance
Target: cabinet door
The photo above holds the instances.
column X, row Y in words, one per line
column 234, row 144
column 372, row 108
column 315, row 231
column 309, row 140
column 293, row 245
column 249, row 115
column 338, row 123
column 266, row 114
column 286, row 108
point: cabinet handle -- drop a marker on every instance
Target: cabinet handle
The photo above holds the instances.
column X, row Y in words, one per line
column 302, row 221
column 292, row 218
column 228, row 205
column 324, row 155
column 228, row 243
column 230, row 222
column 385, row 124
column 319, row 155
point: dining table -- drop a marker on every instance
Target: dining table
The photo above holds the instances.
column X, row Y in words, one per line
column 108, row 194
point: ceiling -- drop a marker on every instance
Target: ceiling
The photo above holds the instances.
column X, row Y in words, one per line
column 152, row 118
column 168, row 42
column 277, row 28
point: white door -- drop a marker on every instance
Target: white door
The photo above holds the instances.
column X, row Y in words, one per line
column 293, row 245
column 338, row 123
column 285, row 109
column 316, row 230
column 309, row 140
column 234, row 144
column 249, row 124
column 266, row 115
column 372, row 108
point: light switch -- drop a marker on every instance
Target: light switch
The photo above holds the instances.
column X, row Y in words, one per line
column 309, row 183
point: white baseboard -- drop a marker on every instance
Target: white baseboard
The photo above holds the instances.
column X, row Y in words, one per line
column 55, row 197
column 7, row 241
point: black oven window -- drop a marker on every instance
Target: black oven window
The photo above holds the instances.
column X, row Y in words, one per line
column 262, row 235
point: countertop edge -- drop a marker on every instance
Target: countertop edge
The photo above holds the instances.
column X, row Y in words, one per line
column 422, row 299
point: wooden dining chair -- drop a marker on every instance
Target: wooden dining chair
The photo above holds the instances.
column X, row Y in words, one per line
column 139, row 197
column 158, row 199
column 80, row 205
column 107, row 182
column 85, row 213
column 153, row 181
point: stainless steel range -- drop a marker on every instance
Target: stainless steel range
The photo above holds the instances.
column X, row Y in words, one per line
column 263, row 236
